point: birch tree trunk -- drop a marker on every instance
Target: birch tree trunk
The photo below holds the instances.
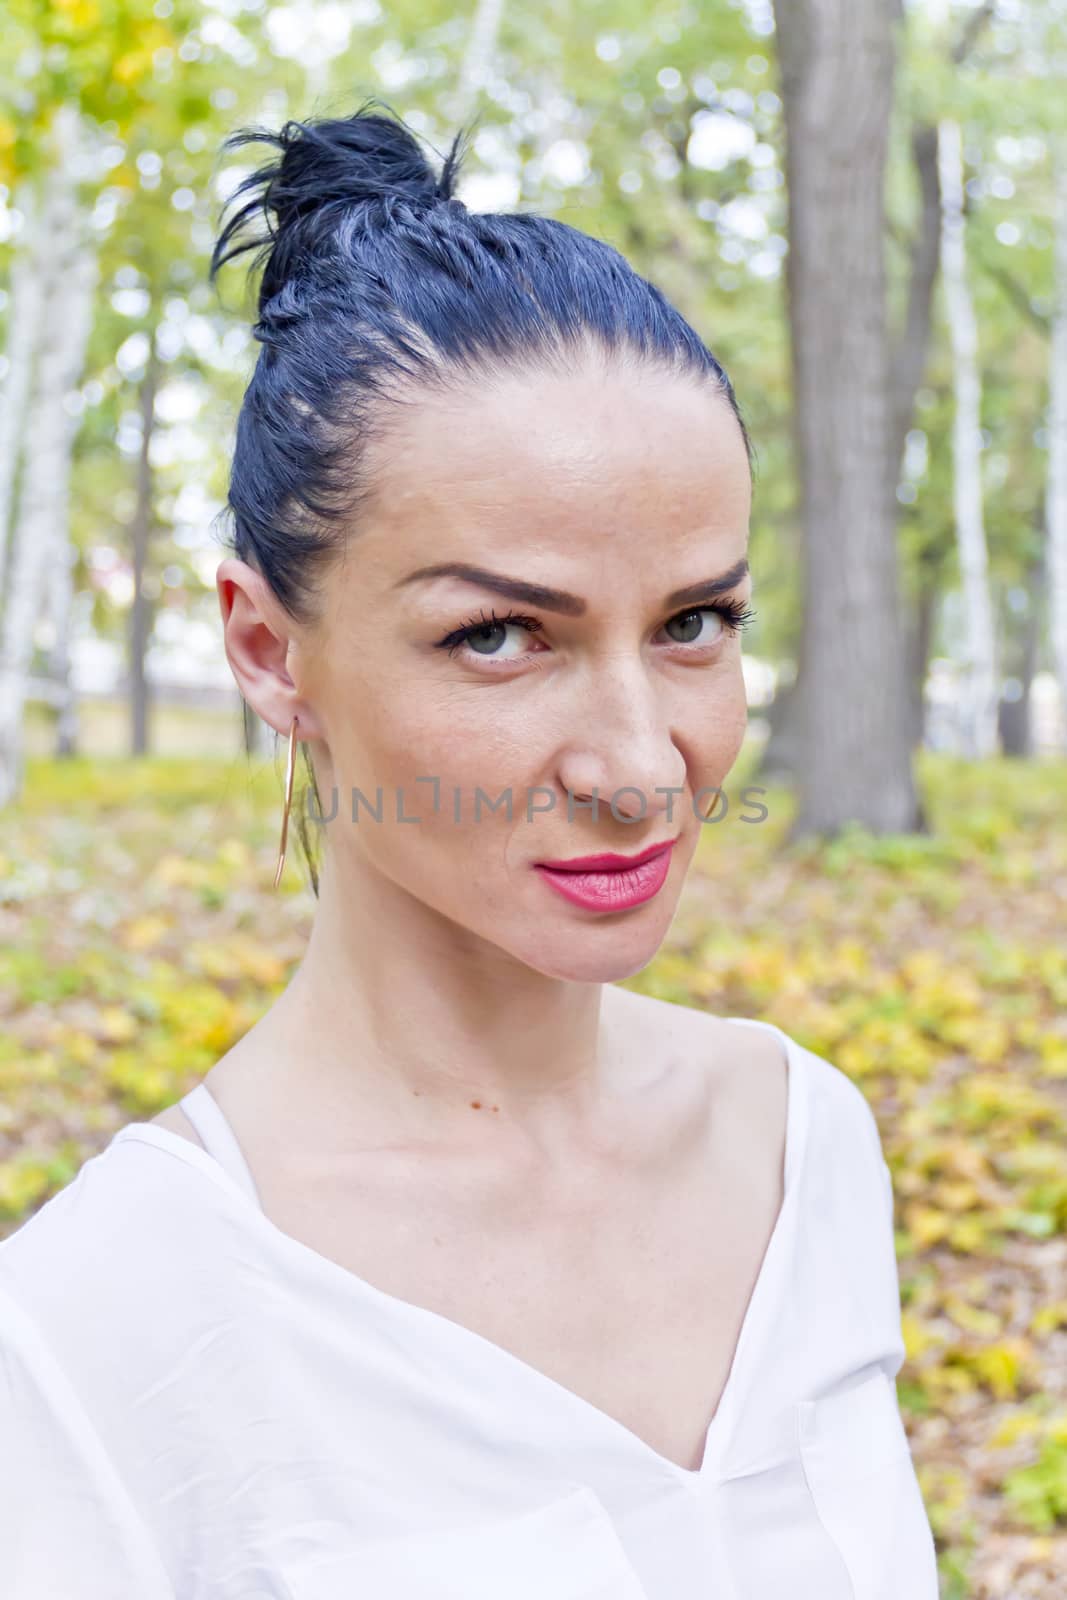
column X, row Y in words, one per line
column 837, row 61
column 78, row 313
column 66, row 267
column 59, row 665
column 23, row 332
column 911, row 355
column 140, row 539
column 1056, row 498
column 1015, row 722
column 980, row 687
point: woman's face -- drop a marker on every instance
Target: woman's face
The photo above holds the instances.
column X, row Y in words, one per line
column 605, row 493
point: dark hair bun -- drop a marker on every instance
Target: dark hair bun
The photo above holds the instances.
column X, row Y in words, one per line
column 326, row 166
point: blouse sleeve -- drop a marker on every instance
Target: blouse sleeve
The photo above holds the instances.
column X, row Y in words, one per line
column 892, row 1269
column 67, row 1525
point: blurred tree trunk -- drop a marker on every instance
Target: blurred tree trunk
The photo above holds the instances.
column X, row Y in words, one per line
column 910, row 354
column 67, row 268
column 909, row 362
column 25, row 308
column 781, row 755
column 1013, row 715
column 980, row 697
column 912, row 349
column 1056, row 498
column 59, row 598
column 908, row 365
column 61, row 605
column 837, row 61
column 920, row 633
column 140, row 538
column 77, row 322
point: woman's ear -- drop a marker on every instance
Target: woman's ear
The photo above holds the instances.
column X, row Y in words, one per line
column 258, row 635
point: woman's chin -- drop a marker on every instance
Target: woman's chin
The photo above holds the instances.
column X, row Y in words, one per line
column 604, row 951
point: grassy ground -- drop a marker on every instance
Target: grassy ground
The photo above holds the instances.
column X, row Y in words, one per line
column 140, row 936
column 174, row 730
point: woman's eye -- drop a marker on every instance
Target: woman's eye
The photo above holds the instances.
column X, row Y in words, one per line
column 691, row 626
column 486, row 640
column 483, row 636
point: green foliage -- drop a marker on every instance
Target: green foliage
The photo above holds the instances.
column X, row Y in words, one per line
column 1038, row 1491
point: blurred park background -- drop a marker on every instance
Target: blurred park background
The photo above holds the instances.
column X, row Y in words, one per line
column 862, row 207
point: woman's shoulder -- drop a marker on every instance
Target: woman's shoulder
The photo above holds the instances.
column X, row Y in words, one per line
column 715, row 1075
column 126, row 1258
column 753, row 1056
column 672, row 1029
column 128, row 1219
column 70, row 1216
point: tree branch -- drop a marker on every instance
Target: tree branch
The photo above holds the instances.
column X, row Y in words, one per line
column 1015, row 291
column 969, row 36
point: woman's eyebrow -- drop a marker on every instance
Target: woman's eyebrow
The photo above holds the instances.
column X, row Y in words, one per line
column 712, row 588
column 570, row 605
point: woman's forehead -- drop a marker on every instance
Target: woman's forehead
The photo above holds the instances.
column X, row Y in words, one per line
column 551, row 447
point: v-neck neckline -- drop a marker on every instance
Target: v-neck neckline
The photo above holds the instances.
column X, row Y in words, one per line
column 757, row 1311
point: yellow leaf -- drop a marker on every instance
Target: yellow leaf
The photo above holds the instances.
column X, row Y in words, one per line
column 964, row 1159
column 972, row 1318
column 176, row 871
column 953, row 1380
column 144, row 932
column 1052, row 1049
column 968, row 1234
column 22, row 1182
column 849, row 957
column 1015, row 1426
column 116, row 1025
column 956, row 1196
column 917, row 1334
column 134, row 64
column 81, row 1048
column 45, row 1067
column 1000, row 1365
column 82, row 13
column 1048, row 1318
column 922, row 966
column 925, row 1225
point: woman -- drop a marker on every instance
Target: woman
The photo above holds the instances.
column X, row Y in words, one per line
column 467, row 1273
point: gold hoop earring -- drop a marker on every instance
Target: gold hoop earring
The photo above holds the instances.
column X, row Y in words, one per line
column 289, row 768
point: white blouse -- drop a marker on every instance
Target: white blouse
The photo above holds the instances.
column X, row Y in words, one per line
column 196, row 1406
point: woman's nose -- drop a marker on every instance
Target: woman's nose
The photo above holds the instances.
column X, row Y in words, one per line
column 628, row 756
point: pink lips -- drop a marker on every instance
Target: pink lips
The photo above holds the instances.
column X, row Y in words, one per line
column 610, row 882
